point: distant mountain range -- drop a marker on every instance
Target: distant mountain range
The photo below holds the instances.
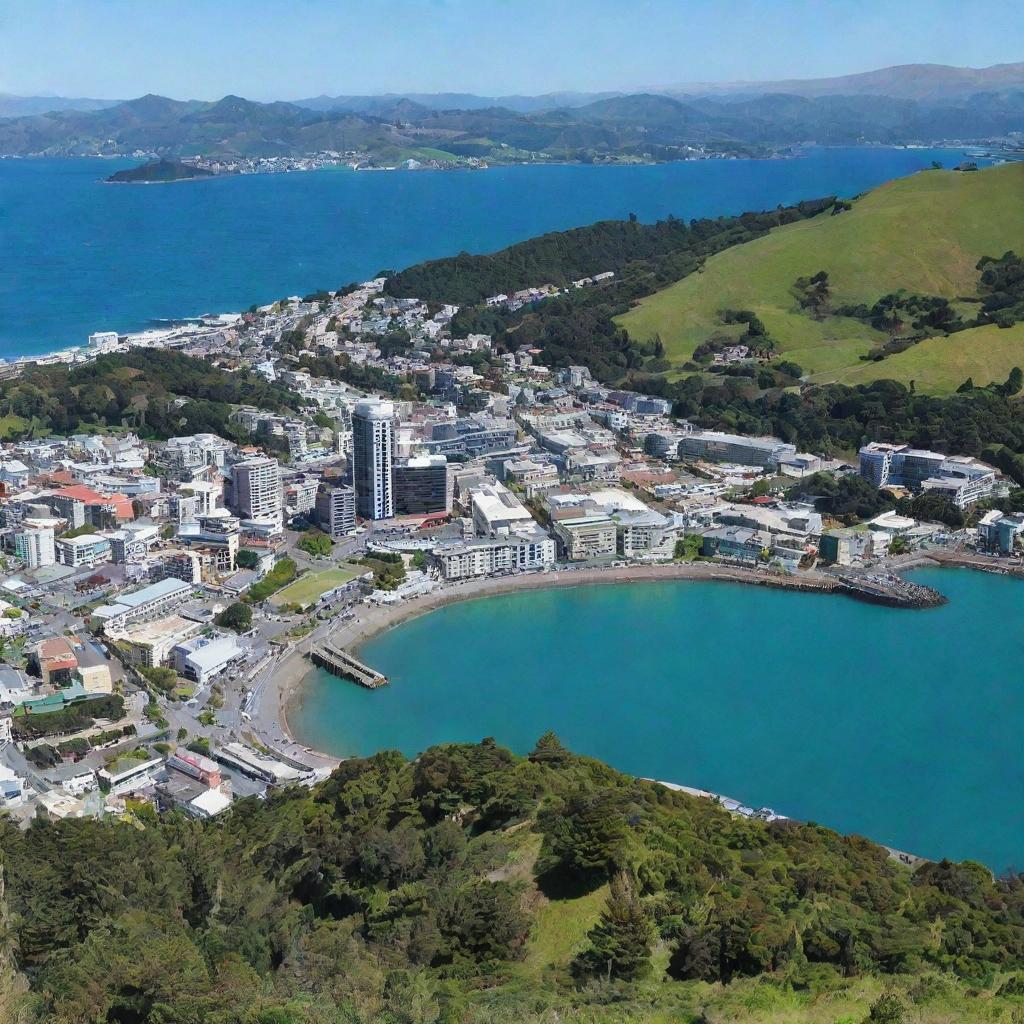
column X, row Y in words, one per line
column 25, row 106
column 909, row 104
column 934, row 83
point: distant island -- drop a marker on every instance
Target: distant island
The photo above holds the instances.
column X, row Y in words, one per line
column 160, row 171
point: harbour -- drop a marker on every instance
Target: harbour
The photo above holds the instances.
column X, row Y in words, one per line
column 747, row 690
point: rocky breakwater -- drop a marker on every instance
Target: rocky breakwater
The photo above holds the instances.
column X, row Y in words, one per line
column 889, row 590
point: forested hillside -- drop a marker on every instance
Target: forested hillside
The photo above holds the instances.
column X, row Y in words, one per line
column 644, row 255
column 474, row 885
column 155, row 392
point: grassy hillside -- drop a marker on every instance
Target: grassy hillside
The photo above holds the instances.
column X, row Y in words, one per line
column 923, row 234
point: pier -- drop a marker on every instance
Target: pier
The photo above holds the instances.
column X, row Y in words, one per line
column 339, row 662
column 887, row 589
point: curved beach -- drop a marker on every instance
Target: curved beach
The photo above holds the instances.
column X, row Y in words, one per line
column 274, row 694
column 269, row 708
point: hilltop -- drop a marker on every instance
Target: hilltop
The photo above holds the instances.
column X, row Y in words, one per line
column 921, row 235
column 473, row 885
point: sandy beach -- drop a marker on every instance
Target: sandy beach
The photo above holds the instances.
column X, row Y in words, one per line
column 284, row 687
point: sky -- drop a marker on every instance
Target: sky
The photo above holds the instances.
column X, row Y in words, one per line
column 292, row 49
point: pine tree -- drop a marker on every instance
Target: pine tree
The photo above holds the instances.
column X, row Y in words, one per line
column 620, row 943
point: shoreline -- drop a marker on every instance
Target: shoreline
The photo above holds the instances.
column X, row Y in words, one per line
column 285, row 687
column 64, row 352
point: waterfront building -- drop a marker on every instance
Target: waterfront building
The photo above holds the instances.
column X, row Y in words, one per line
column 735, row 542
column 998, row 531
column 423, row 486
column 374, row 438
column 335, row 508
column 466, row 560
column 713, row 446
column 586, row 537
column 35, row 547
column 845, row 546
column 257, row 490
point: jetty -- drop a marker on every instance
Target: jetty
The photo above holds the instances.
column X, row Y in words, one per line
column 888, row 589
column 339, row 662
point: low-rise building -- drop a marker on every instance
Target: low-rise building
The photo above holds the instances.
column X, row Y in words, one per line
column 736, row 542
column 497, row 510
column 714, row 446
column 585, row 537
column 149, row 644
column 203, row 657
column 85, row 551
column 149, row 602
column 128, row 775
column 846, row 546
column 999, row 531
column 465, row 560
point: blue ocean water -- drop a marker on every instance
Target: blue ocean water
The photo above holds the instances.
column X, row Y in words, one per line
column 78, row 256
column 903, row 726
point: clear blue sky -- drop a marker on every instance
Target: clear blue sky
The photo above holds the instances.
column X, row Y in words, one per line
column 287, row 49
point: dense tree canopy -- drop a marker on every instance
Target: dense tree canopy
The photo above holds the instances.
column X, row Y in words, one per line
column 398, row 884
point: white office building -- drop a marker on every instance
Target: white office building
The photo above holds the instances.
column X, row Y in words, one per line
column 459, row 561
column 35, row 547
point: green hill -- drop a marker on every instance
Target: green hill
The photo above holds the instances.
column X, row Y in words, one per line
column 472, row 886
column 923, row 234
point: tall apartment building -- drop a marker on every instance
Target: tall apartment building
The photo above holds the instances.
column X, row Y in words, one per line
column 422, row 486
column 258, row 493
column 35, row 547
column 374, row 437
column 335, row 508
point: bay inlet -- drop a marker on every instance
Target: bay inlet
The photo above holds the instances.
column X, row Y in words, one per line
column 903, row 726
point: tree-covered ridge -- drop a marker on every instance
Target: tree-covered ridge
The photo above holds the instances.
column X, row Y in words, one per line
column 423, row 890
column 648, row 256
column 156, row 392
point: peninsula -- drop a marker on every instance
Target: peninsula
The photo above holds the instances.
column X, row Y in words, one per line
column 158, row 171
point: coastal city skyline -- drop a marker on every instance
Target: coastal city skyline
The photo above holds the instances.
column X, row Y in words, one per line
column 511, row 512
column 49, row 47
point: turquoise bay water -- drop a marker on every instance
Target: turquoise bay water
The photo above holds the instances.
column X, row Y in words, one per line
column 78, row 256
column 902, row 726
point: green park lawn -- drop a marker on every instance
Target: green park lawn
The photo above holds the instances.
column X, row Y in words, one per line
column 308, row 589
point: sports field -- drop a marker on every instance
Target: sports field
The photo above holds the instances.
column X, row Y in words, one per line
column 308, row 589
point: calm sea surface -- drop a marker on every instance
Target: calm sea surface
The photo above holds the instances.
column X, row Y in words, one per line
column 903, row 726
column 78, row 256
